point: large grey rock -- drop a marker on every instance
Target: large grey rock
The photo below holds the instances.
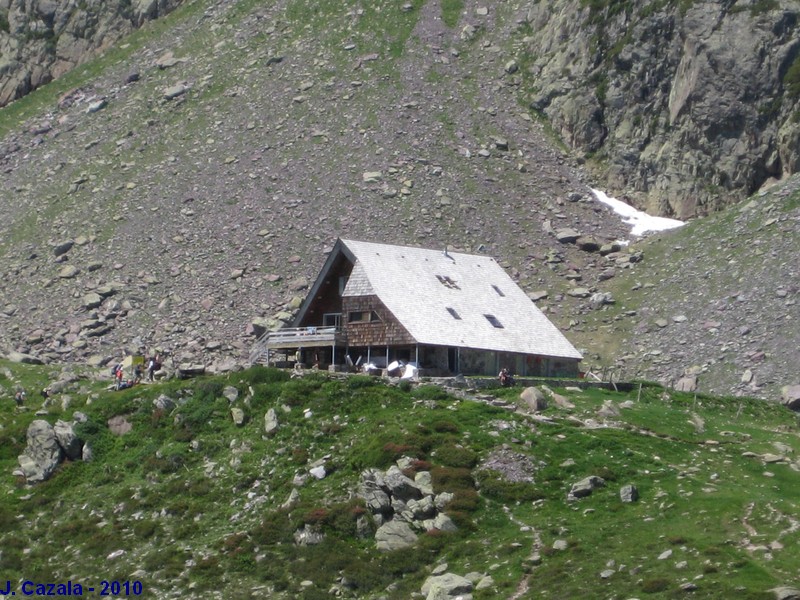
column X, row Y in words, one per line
column 186, row 370
column 164, row 402
column 567, row 236
column 374, row 491
column 68, row 440
column 628, row 493
column 400, row 486
column 585, row 487
column 22, row 358
column 687, row 384
column 394, row 535
column 42, row 453
column 445, row 587
column 271, row 422
column 785, row 592
column 238, row 416
column 533, row 399
column 790, row 396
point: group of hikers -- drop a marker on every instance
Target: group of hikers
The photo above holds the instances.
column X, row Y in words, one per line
column 149, row 366
column 20, row 397
column 506, row 378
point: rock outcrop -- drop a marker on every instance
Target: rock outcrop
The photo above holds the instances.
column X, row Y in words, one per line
column 690, row 104
column 44, row 39
column 47, row 446
column 402, row 507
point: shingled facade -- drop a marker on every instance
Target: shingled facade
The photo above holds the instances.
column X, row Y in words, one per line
column 446, row 311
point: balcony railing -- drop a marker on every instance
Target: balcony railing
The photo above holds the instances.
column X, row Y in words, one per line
column 296, row 337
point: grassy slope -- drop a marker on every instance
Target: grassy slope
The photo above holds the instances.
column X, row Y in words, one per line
column 209, row 519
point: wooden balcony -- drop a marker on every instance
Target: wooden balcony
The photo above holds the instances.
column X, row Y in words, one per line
column 297, row 337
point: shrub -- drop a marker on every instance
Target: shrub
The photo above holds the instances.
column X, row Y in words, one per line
column 298, row 392
column 208, row 390
column 145, row 529
column 361, row 381
column 430, row 392
column 299, row 455
column 450, row 479
column 655, row 585
column 465, row 500
column 451, row 455
column 260, row 374
column 444, row 426
column 366, row 575
column 493, row 485
column 275, row 528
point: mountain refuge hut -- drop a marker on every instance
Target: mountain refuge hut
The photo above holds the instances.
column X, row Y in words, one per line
column 445, row 312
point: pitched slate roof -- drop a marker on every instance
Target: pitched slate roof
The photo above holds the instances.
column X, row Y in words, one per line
column 454, row 299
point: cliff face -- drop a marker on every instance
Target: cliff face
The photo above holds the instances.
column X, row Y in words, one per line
column 685, row 105
column 41, row 40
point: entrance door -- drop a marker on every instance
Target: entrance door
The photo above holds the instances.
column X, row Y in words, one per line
column 452, row 360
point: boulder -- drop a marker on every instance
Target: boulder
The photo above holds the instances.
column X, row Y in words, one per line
column 394, row 535
column 567, row 236
column 271, row 422
column 238, row 416
column 68, row 440
column 786, row 593
column 790, row 396
column 230, row 393
column 43, row 452
column 579, row 292
column 533, row 399
column 164, row 402
column 373, row 490
column 400, row 486
column 444, row 587
column 585, row 487
column 68, row 272
column 186, row 370
column 444, row 523
column 63, row 247
column 628, row 493
column 26, row 359
column 687, row 384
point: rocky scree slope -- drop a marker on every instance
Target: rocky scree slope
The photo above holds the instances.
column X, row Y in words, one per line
column 41, row 40
column 714, row 304
column 684, row 106
column 182, row 194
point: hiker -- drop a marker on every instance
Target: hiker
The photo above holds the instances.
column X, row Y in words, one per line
column 19, row 397
column 137, row 373
column 506, row 378
column 118, row 376
column 152, row 366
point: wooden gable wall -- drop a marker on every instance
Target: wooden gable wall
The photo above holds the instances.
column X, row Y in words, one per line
column 386, row 332
column 328, row 298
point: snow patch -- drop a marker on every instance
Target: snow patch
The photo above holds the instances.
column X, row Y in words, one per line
column 639, row 221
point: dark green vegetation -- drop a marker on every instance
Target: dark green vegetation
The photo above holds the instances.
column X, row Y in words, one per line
column 197, row 503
